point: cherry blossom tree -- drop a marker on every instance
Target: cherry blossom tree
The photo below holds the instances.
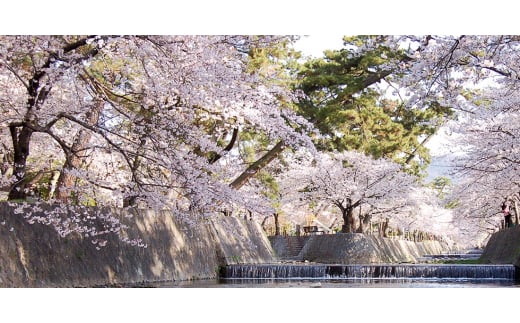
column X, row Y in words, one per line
column 426, row 212
column 477, row 76
column 139, row 119
column 398, row 202
column 486, row 167
column 164, row 121
column 351, row 180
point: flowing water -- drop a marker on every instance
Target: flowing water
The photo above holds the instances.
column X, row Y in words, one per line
column 373, row 271
column 358, row 276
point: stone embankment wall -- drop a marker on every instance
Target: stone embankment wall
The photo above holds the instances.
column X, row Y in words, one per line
column 503, row 248
column 34, row 255
column 356, row 248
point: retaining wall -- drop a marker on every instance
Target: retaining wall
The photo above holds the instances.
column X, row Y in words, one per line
column 503, row 247
column 34, row 255
column 357, row 248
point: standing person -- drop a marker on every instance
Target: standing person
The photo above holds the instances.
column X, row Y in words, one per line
column 506, row 208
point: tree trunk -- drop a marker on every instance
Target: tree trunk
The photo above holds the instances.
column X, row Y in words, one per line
column 216, row 156
column 360, row 228
column 258, row 165
column 515, row 204
column 331, row 226
column 364, row 222
column 132, row 198
column 264, row 221
column 52, row 184
column 76, row 155
column 21, row 140
column 276, row 225
column 384, row 227
column 422, row 144
column 37, row 94
column 6, row 164
column 348, row 220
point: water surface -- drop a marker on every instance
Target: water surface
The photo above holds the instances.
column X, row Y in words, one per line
column 340, row 283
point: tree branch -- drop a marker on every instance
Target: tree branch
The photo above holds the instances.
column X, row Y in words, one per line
column 258, row 165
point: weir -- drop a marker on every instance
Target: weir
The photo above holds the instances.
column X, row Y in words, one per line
column 371, row 271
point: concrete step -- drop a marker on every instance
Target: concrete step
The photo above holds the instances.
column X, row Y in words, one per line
column 465, row 252
column 471, row 254
column 295, row 245
column 452, row 256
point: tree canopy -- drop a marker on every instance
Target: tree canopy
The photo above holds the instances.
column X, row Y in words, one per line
column 205, row 124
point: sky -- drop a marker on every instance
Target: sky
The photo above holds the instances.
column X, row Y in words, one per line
column 268, row 17
column 440, row 163
column 315, row 44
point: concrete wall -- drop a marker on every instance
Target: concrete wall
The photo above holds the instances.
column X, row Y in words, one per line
column 34, row 255
column 356, row 248
column 503, row 247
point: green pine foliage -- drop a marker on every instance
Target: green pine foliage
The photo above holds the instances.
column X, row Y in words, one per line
column 352, row 114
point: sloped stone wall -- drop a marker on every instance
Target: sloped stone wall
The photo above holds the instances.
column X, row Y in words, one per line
column 34, row 255
column 503, row 247
column 356, row 248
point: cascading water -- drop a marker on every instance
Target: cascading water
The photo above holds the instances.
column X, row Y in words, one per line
column 373, row 271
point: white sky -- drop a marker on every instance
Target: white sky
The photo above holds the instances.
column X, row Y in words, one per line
column 315, row 44
column 274, row 17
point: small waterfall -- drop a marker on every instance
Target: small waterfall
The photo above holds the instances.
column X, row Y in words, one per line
column 274, row 271
column 374, row 271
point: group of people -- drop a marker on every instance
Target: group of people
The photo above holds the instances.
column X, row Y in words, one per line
column 506, row 209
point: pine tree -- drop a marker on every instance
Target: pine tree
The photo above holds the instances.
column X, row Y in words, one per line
column 352, row 113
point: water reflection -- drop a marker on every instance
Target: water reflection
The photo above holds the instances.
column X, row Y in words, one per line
column 341, row 283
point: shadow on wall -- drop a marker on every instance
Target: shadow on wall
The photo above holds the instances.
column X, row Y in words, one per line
column 503, row 247
column 34, row 255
